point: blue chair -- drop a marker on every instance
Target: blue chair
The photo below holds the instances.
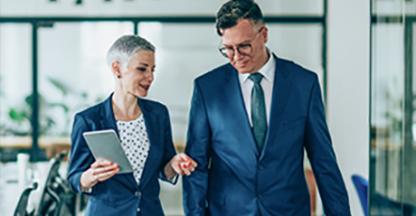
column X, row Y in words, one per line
column 361, row 186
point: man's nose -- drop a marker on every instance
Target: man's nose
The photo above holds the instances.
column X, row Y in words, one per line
column 237, row 55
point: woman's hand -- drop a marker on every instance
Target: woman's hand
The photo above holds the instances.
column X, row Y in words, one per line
column 99, row 171
column 180, row 164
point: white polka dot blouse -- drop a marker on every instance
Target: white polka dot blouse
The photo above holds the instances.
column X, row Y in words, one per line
column 135, row 143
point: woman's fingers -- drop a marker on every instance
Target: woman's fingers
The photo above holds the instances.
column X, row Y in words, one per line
column 194, row 163
column 100, row 163
column 106, row 175
column 99, row 171
column 187, row 162
column 185, row 158
column 104, row 169
column 176, row 166
column 184, row 165
column 191, row 165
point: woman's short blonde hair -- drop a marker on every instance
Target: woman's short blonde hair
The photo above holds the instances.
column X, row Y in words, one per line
column 125, row 47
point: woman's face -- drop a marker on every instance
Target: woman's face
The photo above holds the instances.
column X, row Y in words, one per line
column 138, row 76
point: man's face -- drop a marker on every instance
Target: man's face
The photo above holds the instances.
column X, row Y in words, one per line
column 244, row 46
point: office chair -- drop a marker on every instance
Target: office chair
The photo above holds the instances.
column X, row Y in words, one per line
column 57, row 198
column 361, row 186
column 21, row 207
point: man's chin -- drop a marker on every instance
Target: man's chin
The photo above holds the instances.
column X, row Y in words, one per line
column 244, row 71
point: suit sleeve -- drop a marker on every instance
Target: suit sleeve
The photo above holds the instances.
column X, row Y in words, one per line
column 197, row 147
column 80, row 156
column 322, row 157
column 169, row 148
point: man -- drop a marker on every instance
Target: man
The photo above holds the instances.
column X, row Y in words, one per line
column 250, row 122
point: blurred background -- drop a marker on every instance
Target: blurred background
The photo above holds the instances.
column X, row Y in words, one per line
column 52, row 64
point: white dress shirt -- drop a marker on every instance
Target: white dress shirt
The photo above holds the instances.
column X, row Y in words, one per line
column 246, row 84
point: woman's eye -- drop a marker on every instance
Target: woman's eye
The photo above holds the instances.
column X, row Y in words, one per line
column 141, row 69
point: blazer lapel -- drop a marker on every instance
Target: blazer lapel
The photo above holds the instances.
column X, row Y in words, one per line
column 108, row 121
column 151, row 123
column 280, row 95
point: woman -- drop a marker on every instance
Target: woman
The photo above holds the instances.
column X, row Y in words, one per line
column 145, row 133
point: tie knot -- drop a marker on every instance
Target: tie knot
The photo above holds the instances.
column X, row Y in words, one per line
column 256, row 77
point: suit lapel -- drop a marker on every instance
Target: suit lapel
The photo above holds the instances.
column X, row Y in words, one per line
column 280, row 95
column 108, row 121
column 151, row 123
column 235, row 118
column 238, row 109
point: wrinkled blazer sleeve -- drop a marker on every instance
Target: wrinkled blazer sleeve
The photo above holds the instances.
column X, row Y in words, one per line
column 169, row 148
column 322, row 157
column 80, row 156
column 197, row 147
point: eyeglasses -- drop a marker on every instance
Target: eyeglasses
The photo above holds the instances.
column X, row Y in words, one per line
column 242, row 49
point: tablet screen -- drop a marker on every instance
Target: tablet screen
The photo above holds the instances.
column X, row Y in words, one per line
column 106, row 144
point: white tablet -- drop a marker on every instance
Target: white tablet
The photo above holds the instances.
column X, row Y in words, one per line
column 106, row 144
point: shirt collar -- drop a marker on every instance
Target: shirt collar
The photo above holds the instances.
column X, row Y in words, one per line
column 267, row 70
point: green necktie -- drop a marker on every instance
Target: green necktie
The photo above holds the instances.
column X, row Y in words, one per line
column 258, row 110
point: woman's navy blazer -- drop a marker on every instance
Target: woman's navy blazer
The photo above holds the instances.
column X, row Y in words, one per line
column 121, row 195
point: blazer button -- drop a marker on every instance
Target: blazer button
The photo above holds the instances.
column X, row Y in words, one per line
column 138, row 194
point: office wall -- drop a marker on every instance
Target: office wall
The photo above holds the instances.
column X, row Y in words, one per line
column 348, row 88
column 146, row 7
column 348, row 57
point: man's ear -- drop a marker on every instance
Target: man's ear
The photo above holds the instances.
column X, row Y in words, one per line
column 116, row 69
column 265, row 34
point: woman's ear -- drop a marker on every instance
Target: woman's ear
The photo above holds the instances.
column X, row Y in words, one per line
column 116, row 69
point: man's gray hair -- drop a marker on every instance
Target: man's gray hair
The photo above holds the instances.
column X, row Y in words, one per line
column 125, row 47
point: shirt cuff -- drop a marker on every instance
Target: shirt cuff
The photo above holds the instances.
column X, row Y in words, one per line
column 86, row 190
column 173, row 180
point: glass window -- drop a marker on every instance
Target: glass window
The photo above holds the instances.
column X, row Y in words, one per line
column 73, row 71
column 183, row 51
column 150, row 8
column 299, row 43
column 15, row 87
column 393, row 89
column 15, row 107
column 293, row 7
column 393, row 8
column 387, row 106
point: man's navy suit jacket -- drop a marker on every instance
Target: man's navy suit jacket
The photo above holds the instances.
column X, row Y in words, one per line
column 233, row 177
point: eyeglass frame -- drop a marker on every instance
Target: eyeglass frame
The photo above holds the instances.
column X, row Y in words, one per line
column 223, row 49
